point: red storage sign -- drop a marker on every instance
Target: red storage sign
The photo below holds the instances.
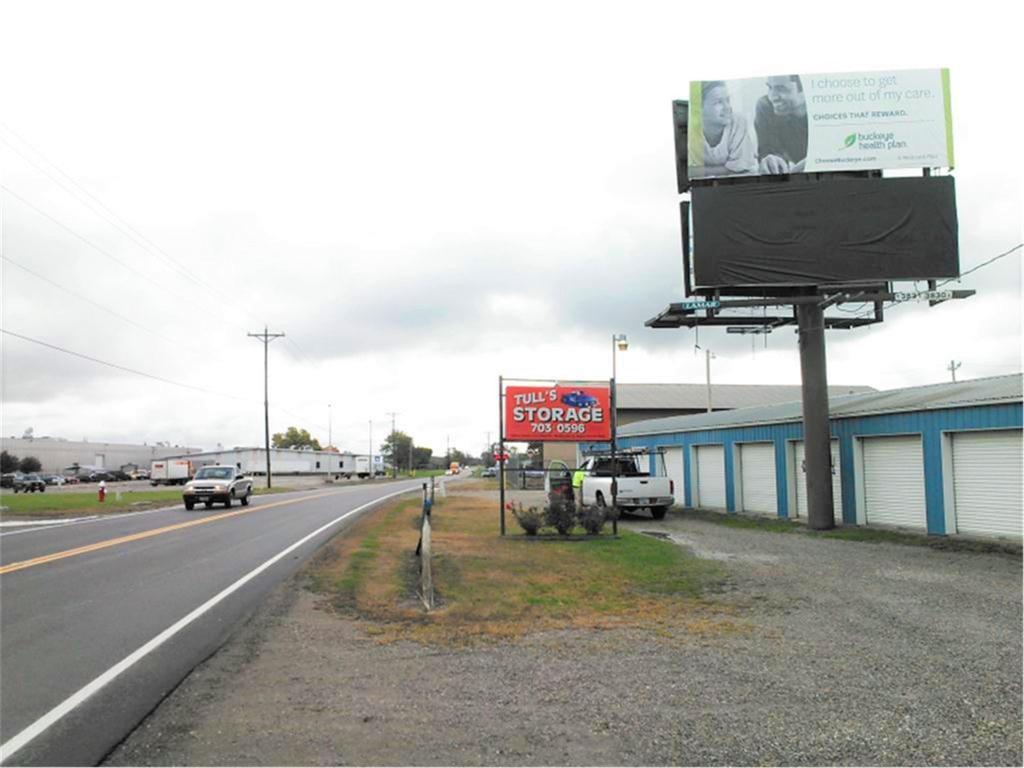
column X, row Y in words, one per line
column 558, row 413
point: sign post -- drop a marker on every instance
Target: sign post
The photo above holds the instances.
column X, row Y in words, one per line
column 501, row 450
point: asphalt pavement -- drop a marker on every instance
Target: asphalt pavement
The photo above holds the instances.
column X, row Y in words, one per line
column 100, row 619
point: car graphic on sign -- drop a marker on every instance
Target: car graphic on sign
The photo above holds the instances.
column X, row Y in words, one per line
column 579, row 399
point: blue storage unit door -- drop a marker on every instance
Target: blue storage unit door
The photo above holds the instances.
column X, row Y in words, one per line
column 757, row 478
column 674, row 469
column 987, row 481
column 894, row 491
column 710, row 466
column 800, row 482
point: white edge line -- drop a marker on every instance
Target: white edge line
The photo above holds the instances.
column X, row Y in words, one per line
column 30, row 733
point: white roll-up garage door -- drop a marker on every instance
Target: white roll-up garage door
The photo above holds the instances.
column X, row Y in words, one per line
column 757, row 478
column 987, row 481
column 894, row 481
column 710, row 461
column 674, row 469
column 800, row 481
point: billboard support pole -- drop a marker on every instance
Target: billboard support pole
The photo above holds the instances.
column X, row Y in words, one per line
column 501, row 451
column 817, row 438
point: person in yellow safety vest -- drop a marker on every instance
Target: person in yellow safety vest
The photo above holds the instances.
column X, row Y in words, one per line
column 577, row 484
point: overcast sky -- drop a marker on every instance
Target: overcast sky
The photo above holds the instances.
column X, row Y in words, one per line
column 423, row 197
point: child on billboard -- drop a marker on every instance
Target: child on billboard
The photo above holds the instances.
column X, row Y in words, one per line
column 728, row 145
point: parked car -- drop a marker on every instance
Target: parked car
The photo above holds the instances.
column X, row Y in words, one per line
column 71, row 479
column 489, row 472
column 215, row 483
column 8, row 478
column 53, row 479
column 29, row 483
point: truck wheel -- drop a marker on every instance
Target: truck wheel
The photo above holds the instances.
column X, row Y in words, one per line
column 42, row 489
column 599, row 500
column 245, row 499
column 658, row 513
column 227, row 501
column 190, row 505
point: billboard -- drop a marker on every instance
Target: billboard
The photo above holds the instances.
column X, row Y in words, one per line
column 824, row 232
column 800, row 123
column 558, row 413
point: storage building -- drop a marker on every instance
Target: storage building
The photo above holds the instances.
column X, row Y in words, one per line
column 942, row 459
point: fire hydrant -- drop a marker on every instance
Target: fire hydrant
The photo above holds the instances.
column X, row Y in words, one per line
column 103, row 490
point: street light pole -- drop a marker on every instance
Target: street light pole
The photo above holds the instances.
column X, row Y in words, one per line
column 619, row 342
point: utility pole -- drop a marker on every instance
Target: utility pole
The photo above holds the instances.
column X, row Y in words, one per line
column 371, row 449
column 266, row 338
column 952, row 368
column 394, row 447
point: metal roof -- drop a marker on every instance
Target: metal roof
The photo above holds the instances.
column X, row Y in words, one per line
column 989, row 391
column 663, row 396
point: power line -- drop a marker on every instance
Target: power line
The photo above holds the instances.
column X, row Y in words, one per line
column 120, row 367
column 91, row 244
column 127, row 229
column 113, row 219
column 962, row 275
column 94, row 303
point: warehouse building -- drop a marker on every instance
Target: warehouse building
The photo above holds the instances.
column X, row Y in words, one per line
column 289, row 461
column 942, row 459
column 55, row 453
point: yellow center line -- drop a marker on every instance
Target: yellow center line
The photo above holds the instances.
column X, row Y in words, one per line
column 43, row 559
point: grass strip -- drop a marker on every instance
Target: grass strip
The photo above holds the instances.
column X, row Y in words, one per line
column 491, row 587
column 75, row 504
column 853, row 533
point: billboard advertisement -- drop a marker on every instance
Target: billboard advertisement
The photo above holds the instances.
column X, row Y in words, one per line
column 824, row 232
column 558, row 413
column 800, row 123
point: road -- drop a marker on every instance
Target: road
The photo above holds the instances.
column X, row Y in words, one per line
column 100, row 619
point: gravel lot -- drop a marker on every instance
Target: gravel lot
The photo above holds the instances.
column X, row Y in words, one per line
column 852, row 653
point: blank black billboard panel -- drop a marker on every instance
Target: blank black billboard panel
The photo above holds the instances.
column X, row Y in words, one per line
column 833, row 230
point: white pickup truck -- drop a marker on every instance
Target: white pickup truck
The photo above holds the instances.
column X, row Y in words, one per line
column 635, row 489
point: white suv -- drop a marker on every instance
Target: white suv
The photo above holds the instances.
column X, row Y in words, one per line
column 216, row 483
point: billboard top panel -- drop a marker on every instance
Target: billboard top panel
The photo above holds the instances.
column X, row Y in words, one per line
column 808, row 123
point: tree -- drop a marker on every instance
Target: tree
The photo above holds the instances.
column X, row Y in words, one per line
column 295, row 438
column 30, row 464
column 421, row 457
column 8, row 462
column 396, row 449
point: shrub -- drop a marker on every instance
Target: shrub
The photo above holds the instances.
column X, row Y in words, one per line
column 561, row 515
column 592, row 519
column 530, row 520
